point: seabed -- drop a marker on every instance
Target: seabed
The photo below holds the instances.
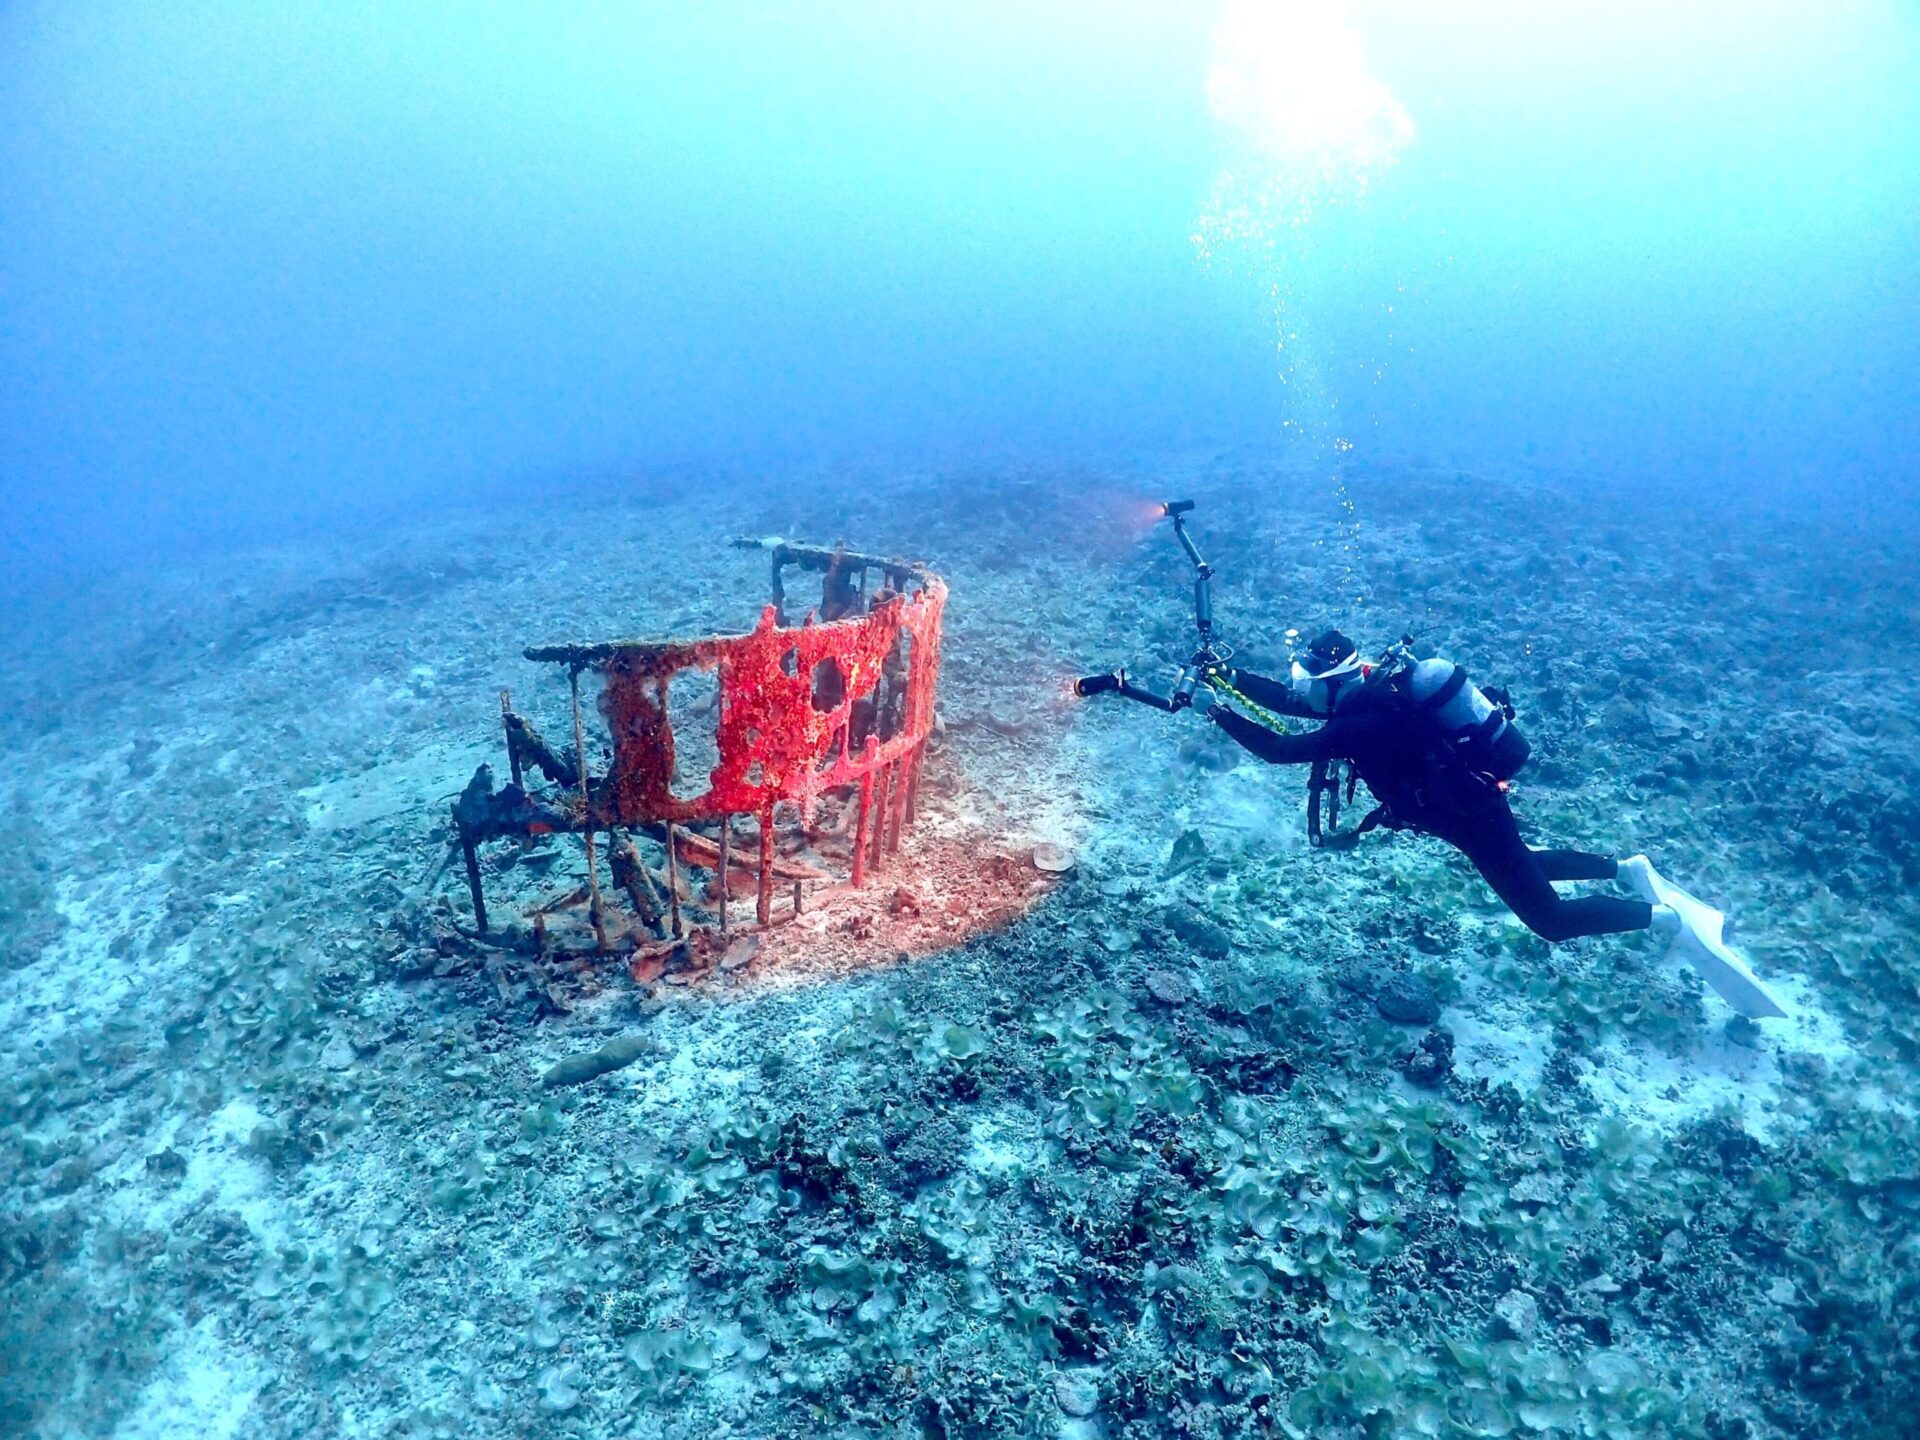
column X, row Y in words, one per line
column 1168, row 1143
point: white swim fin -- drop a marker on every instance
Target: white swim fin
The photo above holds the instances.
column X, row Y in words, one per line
column 1699, row 939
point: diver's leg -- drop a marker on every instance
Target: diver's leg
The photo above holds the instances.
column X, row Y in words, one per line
column 1576, row 865
column 1491, row 840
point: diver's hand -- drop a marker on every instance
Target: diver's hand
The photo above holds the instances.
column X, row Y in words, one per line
column 1213, row 675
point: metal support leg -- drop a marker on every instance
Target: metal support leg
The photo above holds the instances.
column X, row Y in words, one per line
column 673, row 885
column 764, row 908
column 595, row 909
column 897, row 813
column 913, row 781
column 513, row 748
column 865, row 803
column 473, row 882
column 878, row 825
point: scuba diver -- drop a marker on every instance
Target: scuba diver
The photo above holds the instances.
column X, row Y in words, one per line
column 1437, row 754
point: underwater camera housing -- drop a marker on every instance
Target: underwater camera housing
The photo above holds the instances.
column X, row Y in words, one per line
column 1207, row 656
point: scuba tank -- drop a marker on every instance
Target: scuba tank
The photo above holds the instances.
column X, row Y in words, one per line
column 1464, row 714
column 1472, row 743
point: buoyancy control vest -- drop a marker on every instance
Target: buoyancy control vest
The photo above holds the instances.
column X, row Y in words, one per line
column 1470, row 746
column 1467, row 742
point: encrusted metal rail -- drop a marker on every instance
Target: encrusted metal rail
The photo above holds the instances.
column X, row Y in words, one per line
column 835, row 710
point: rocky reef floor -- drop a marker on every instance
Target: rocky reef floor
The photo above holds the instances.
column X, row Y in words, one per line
column 1214, row 1134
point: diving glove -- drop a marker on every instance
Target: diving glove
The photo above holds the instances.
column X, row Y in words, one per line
column 1697, row 930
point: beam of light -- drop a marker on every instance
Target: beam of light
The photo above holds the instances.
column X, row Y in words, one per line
column 1290, row 83
column 1305, row 126
column 1143, row 515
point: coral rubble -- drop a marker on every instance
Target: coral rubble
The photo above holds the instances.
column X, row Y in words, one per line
column 1117, row 1109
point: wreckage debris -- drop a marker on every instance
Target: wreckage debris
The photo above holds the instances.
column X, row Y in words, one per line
column 820, row 732
column 616, row 1054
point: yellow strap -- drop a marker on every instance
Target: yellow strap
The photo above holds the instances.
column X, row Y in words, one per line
column 1259, row 712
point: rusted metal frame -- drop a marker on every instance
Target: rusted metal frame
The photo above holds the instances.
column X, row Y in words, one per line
column 896, row 762
column 890, row 834
column 779, row 586
column 513, row 748
column 819, row 558
column 918, row 615
column 813, row 557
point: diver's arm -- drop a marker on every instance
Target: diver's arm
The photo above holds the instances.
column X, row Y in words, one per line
column 1269, row 694
column 1270, row 745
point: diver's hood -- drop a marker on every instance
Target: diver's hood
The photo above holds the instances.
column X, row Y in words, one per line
column 1322, row 668
column 1330, row 653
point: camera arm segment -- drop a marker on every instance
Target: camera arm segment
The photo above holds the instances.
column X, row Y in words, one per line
column 1116, row 683
column 1202, row 571
column 1209, row 658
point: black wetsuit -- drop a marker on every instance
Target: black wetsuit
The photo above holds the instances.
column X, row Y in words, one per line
column 1386, row 742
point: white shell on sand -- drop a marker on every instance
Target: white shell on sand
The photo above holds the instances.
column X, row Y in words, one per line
column 1053, row 859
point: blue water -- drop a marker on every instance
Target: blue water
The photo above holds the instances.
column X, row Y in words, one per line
column 346, row 349
column 267, row 266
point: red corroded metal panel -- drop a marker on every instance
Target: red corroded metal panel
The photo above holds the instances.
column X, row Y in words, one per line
column 775, row 742
column 844, row 703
